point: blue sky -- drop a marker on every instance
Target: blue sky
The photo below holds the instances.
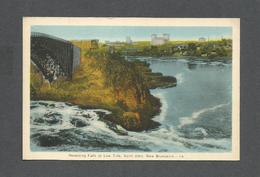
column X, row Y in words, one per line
column 119, row 33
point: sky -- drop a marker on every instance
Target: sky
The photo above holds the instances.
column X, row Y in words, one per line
column 137, row 33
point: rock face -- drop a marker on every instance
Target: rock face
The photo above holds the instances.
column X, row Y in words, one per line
column 131, row 82
column 131, row 120
column 155, row 80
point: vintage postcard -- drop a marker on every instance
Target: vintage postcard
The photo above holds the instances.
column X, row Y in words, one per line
column 131, row 88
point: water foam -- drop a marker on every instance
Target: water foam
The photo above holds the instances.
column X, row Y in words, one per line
column 196, row 115
column 180, row 78
column 97, row 136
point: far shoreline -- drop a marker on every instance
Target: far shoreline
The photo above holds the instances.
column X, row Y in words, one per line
column 192, row 58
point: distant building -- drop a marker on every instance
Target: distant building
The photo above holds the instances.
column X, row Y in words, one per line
column 155, row 40
column 166, row 37
column 202, row 39
column 128, row 40
column 94, row 44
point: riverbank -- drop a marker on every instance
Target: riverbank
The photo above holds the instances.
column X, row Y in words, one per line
column 114, row 84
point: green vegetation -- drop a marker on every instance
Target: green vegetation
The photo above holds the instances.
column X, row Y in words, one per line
column 209, row 50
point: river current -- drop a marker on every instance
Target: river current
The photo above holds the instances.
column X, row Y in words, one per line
column 195, row 116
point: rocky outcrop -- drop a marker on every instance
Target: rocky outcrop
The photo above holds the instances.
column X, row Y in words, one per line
column 131, row 82
column 155, row 80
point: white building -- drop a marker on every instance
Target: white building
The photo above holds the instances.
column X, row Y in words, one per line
column 155, row 40
column 128, row 40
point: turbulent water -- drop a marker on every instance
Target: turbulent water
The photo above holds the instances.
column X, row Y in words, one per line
column 195, row 116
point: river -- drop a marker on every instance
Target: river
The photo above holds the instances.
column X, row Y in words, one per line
column 195, row 116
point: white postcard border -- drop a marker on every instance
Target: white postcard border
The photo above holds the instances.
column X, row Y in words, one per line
column 234, row 155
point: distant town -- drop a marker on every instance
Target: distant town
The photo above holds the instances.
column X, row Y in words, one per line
column 161, row 45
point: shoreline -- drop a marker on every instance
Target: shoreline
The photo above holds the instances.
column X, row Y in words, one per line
column 192, row 58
